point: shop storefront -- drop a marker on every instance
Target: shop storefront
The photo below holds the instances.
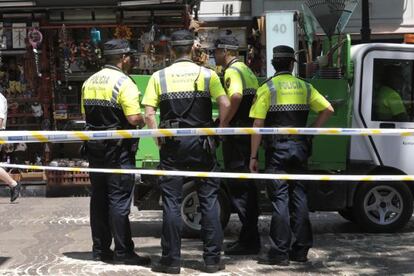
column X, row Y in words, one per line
column 234, row 16
column 48, row 50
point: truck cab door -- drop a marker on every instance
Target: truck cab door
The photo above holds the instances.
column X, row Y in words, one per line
column 386, row 100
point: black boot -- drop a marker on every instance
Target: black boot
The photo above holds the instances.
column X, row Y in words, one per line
column 162, row 268
column 132, row 259
column 274, row 260
column 213, row 268
column 240, row 249
column 300, row 256
column 106, row 256
column 15, row 192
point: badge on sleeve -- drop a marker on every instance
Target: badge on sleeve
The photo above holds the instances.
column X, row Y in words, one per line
column 227, row 83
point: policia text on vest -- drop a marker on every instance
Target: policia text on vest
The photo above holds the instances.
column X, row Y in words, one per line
column 183, row 93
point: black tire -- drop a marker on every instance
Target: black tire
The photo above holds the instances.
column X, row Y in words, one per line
column 383, row 207
column 191, row 214
column 347, row 214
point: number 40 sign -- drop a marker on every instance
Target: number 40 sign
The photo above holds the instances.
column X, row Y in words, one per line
column 281, row 29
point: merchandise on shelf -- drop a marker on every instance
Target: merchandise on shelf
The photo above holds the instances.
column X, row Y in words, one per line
column 68, row 178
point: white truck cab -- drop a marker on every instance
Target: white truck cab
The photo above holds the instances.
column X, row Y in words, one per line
column 369, row 62
column 382, row 94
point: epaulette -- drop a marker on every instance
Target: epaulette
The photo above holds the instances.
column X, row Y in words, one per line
column 207, row 66
column 305, row 80
column 131, row 79
column 266, row 80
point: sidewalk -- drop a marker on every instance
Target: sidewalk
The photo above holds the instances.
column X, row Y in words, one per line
column 51, row 236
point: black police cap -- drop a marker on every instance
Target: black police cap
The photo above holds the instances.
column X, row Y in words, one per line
column 117, row 47
column 182, row 38
column 283, row 51
column 227, row 42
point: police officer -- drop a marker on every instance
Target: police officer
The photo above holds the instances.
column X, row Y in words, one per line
column 387, row 102
column 110, row 101
column 241, row 85
column 183, row 93
column 285, row 101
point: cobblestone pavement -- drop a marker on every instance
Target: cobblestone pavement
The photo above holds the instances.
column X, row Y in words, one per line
column 51, row 236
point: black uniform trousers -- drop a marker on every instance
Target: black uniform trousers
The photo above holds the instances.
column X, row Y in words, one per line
column 187, row 153
column 111, row 196
column 290, row 213
column 243, row 193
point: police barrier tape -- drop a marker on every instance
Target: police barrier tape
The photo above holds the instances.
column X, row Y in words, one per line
column 262, row 176
column 9, row 137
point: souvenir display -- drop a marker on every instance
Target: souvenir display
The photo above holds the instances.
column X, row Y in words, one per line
column 66, row 52
column 2, row 46
column 95, row 36
column 35, row 38
column 123, row 32
column 43, row 77
column 19, row 34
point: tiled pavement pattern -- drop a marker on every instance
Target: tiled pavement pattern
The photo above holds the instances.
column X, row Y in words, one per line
column 50, row 236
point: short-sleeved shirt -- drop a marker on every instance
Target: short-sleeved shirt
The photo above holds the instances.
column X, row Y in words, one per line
column 181, row 77
column 388, row 104
column 290, row 100
column 108, row 97
column 238, row 77
column 3, row 111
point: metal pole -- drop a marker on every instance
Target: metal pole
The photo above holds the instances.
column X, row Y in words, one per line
column 365, row 28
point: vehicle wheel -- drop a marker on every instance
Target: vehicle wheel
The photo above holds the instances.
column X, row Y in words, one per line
column 383, row 207
column 347, row 214
column 191, row 213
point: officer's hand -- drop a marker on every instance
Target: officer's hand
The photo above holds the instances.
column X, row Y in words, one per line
column 254, row 166
column 141, row 125
column 157, row 142
column 309, row 141
column 216, row 122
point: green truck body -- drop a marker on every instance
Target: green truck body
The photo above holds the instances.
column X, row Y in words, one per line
column 329, row 152
column 376, row 207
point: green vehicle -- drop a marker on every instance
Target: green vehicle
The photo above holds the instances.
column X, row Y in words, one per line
column 374, row 206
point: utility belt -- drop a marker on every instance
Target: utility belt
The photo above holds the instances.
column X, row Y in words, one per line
column 173, row 123
column 122, row 144
column 270, row 140
column 167, row 124
column 289, row 137
column 241, row 123
column 210, row 143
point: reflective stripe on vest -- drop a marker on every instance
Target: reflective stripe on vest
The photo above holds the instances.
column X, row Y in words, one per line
column 246, row 91
column 207, row 78
column 115, row 90
column 163, row 82
column 309, row 91
column 272, row 90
